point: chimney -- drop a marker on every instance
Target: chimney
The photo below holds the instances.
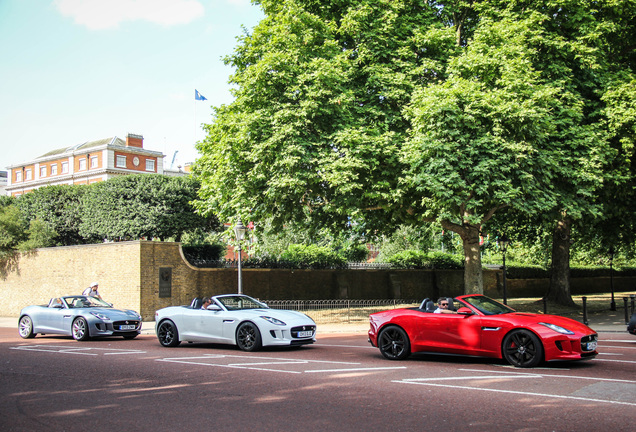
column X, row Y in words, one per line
column 133, row 140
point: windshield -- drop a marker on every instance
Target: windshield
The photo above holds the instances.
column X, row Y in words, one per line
column 487, row 305
column 85, row 302
column 240, row 302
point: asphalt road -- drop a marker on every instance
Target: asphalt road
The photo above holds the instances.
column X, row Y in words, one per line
column 341, row 383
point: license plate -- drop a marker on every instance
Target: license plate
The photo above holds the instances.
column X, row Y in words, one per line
column 305, row 334
column 127, row 327
column 591, row 346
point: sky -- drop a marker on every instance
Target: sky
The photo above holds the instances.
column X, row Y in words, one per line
column 73, row 71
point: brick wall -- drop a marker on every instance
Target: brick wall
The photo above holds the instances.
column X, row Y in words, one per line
column 130, row 276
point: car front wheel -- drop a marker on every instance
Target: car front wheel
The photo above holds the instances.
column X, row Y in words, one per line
column 394, row 343
column 522, row 348
column 248, row 338
column 168, row 334
column 25, row 327
column 80, row 329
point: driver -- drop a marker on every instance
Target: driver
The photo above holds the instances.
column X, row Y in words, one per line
column 442, row 306
column 207, row 301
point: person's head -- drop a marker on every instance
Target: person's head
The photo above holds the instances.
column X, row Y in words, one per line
column 442, row 303
column 94, row 286
column 206, row 301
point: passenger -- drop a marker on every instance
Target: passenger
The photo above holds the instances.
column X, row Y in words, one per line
column 442, row 306
column 207, row 301
column 92, row 291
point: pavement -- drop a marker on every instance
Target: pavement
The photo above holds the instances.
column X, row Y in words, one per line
column 602, row 322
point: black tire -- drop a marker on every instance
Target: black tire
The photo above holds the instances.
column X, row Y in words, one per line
column 168, row 334
column 394, row 343
column 79, row 329
column 25, row 327
column 522, row 348
column 248, row 337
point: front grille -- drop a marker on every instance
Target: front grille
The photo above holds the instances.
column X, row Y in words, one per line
column 117, row 324
column 296, row 330
column 587, row 339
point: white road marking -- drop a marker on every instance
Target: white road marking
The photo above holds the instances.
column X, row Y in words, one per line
column 521, row 393
column 76, row 350
column 269, row 362
column 512, row 374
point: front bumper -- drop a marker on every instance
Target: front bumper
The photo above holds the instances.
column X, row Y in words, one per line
column 115, row 328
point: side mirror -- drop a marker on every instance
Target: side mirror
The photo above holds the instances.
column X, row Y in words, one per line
column 214, row 307
column 465, row 311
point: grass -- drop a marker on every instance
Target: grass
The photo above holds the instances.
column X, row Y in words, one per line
column 595, row 303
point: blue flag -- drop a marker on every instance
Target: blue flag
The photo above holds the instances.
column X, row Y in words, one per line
column 199, row 96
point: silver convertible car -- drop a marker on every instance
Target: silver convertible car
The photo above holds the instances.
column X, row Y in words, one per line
column 79, row 316
column 236, row 320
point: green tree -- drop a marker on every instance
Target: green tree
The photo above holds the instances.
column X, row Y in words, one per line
column 140, row 206
column 315, row 131
column 57, row 206
column 19, row 235
column 413, row 111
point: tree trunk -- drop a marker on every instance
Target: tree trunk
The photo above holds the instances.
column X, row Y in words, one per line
column 559, row 290
column 473, row 275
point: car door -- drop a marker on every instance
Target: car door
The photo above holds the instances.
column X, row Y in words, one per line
column 451, row 333
column 202, row 325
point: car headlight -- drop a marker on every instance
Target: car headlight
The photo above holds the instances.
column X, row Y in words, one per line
column 557, row 328
column 273, row 320
column 101, row 316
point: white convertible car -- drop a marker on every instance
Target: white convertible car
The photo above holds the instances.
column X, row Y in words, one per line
column 236, row 320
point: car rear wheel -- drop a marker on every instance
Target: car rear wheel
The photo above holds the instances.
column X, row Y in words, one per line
column 80, row 329
column 168, row 334
column 522, row 348
column 394, row 343
column 248, row 338
column 25, row 327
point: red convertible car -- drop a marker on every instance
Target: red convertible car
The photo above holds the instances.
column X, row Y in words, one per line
column 481, row 326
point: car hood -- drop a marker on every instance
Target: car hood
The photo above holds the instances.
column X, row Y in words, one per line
column 115, row 314
column 288, row 316
column 568, row 323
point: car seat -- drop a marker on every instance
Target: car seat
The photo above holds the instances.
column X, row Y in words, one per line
column 196, row 303
column 451, row 305
column 430, row 306
column 423, row 304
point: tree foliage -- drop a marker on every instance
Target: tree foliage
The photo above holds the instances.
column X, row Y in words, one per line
column 140, row 206
column 414, row 111
column 57, row 206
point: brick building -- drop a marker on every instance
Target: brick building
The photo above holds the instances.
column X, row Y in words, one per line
column 86, row 163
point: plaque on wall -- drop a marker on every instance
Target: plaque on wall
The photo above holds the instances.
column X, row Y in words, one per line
column 165, row 282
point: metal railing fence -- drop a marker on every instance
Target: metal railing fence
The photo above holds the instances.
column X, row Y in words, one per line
column 340, row 311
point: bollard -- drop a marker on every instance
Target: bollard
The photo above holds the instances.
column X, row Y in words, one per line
column 626, row 310
column 545, row 305
column 584, row 310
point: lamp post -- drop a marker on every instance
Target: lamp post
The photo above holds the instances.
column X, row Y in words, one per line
column 504, row 242
column 239, row 230
column 611, row 253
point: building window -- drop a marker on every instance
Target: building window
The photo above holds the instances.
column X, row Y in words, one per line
column 94, row 162
column 150, row 165
column 82, row 164
column 121, row 161
column 28, row 175
column 43, row 171
column 64, row 167
column 54, row 169
column 18, row 176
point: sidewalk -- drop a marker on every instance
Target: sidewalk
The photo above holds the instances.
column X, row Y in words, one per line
column 609, row 321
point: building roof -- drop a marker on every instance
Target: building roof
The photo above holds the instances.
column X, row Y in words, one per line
column 113, row 141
